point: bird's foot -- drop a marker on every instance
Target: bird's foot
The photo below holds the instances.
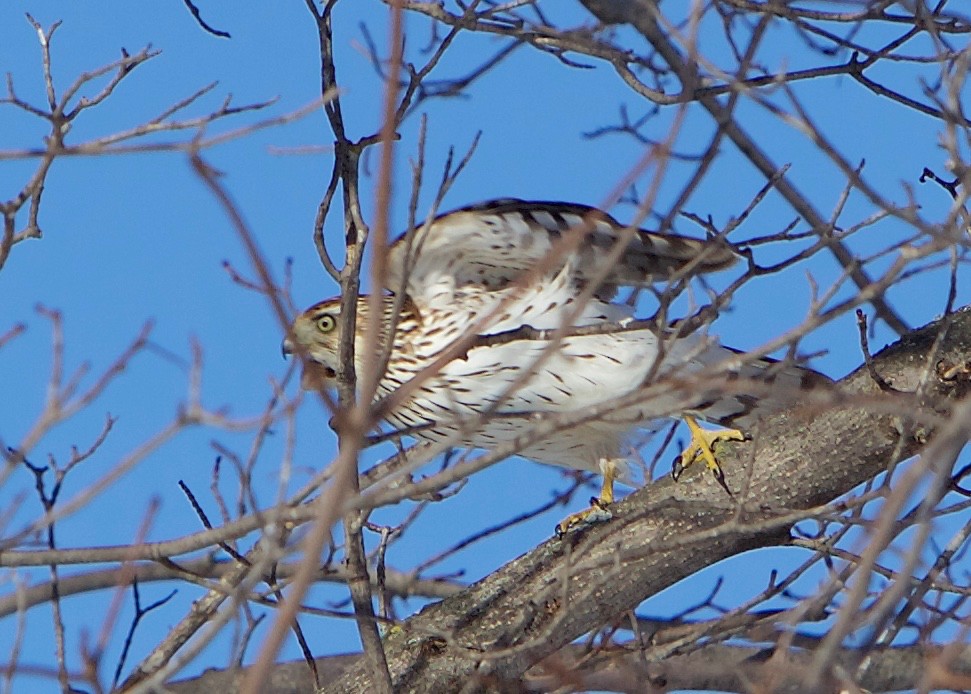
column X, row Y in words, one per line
column 597, row 513
column 702, row 446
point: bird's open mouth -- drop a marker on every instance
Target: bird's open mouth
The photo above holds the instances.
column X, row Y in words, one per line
column 316, row 376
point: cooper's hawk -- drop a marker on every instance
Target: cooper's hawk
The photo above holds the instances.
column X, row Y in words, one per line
column 507, row 319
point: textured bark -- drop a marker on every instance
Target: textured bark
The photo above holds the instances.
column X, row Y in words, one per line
column 286, row 678
column 725, row 668
column 717, row 667
column 493, row 632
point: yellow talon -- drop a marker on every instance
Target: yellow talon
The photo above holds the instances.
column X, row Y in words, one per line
column 701, row 446
column 598, row 511
column 388, row 630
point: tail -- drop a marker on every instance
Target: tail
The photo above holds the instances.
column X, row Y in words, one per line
column 778, row 384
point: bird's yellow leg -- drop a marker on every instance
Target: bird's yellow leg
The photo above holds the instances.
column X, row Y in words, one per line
column 598, row 511
column 702, row 446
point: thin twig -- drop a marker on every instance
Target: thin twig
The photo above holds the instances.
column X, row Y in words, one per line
column 861, row 324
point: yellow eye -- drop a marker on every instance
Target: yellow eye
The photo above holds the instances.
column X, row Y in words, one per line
column 326, row 323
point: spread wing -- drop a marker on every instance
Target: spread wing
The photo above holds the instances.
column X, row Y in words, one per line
column 491, row 244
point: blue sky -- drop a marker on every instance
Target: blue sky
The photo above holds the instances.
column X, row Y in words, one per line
column 137, row 237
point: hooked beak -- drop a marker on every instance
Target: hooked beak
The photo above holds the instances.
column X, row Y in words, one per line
column 315, row 376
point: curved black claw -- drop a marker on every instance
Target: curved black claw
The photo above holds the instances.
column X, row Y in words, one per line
column 677, row 467
column 720, row 478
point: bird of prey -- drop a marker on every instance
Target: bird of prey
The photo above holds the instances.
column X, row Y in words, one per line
column 503, row 316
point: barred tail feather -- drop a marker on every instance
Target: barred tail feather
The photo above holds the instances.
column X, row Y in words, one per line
column 777, row 385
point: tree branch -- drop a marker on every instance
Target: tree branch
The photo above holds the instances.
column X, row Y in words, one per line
column 718, row 666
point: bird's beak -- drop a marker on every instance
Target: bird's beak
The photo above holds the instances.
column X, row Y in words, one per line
column 287, row 347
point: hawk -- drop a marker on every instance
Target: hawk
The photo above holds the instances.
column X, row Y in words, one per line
column 504, row 314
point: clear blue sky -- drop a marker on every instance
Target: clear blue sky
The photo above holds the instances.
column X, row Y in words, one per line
column 128, row 238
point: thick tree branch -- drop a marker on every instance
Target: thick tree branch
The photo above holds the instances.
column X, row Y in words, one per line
column 718, row 667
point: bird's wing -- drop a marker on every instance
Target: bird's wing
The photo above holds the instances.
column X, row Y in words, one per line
column 491, row 244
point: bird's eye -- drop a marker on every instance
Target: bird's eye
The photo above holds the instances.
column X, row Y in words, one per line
column 326, row 323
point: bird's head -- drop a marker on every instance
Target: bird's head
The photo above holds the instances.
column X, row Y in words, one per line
column 314, row 337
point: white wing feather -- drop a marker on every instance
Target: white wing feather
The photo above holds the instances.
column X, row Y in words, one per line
column 492, row 244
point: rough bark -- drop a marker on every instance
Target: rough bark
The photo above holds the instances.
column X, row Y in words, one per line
column 716, row 667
